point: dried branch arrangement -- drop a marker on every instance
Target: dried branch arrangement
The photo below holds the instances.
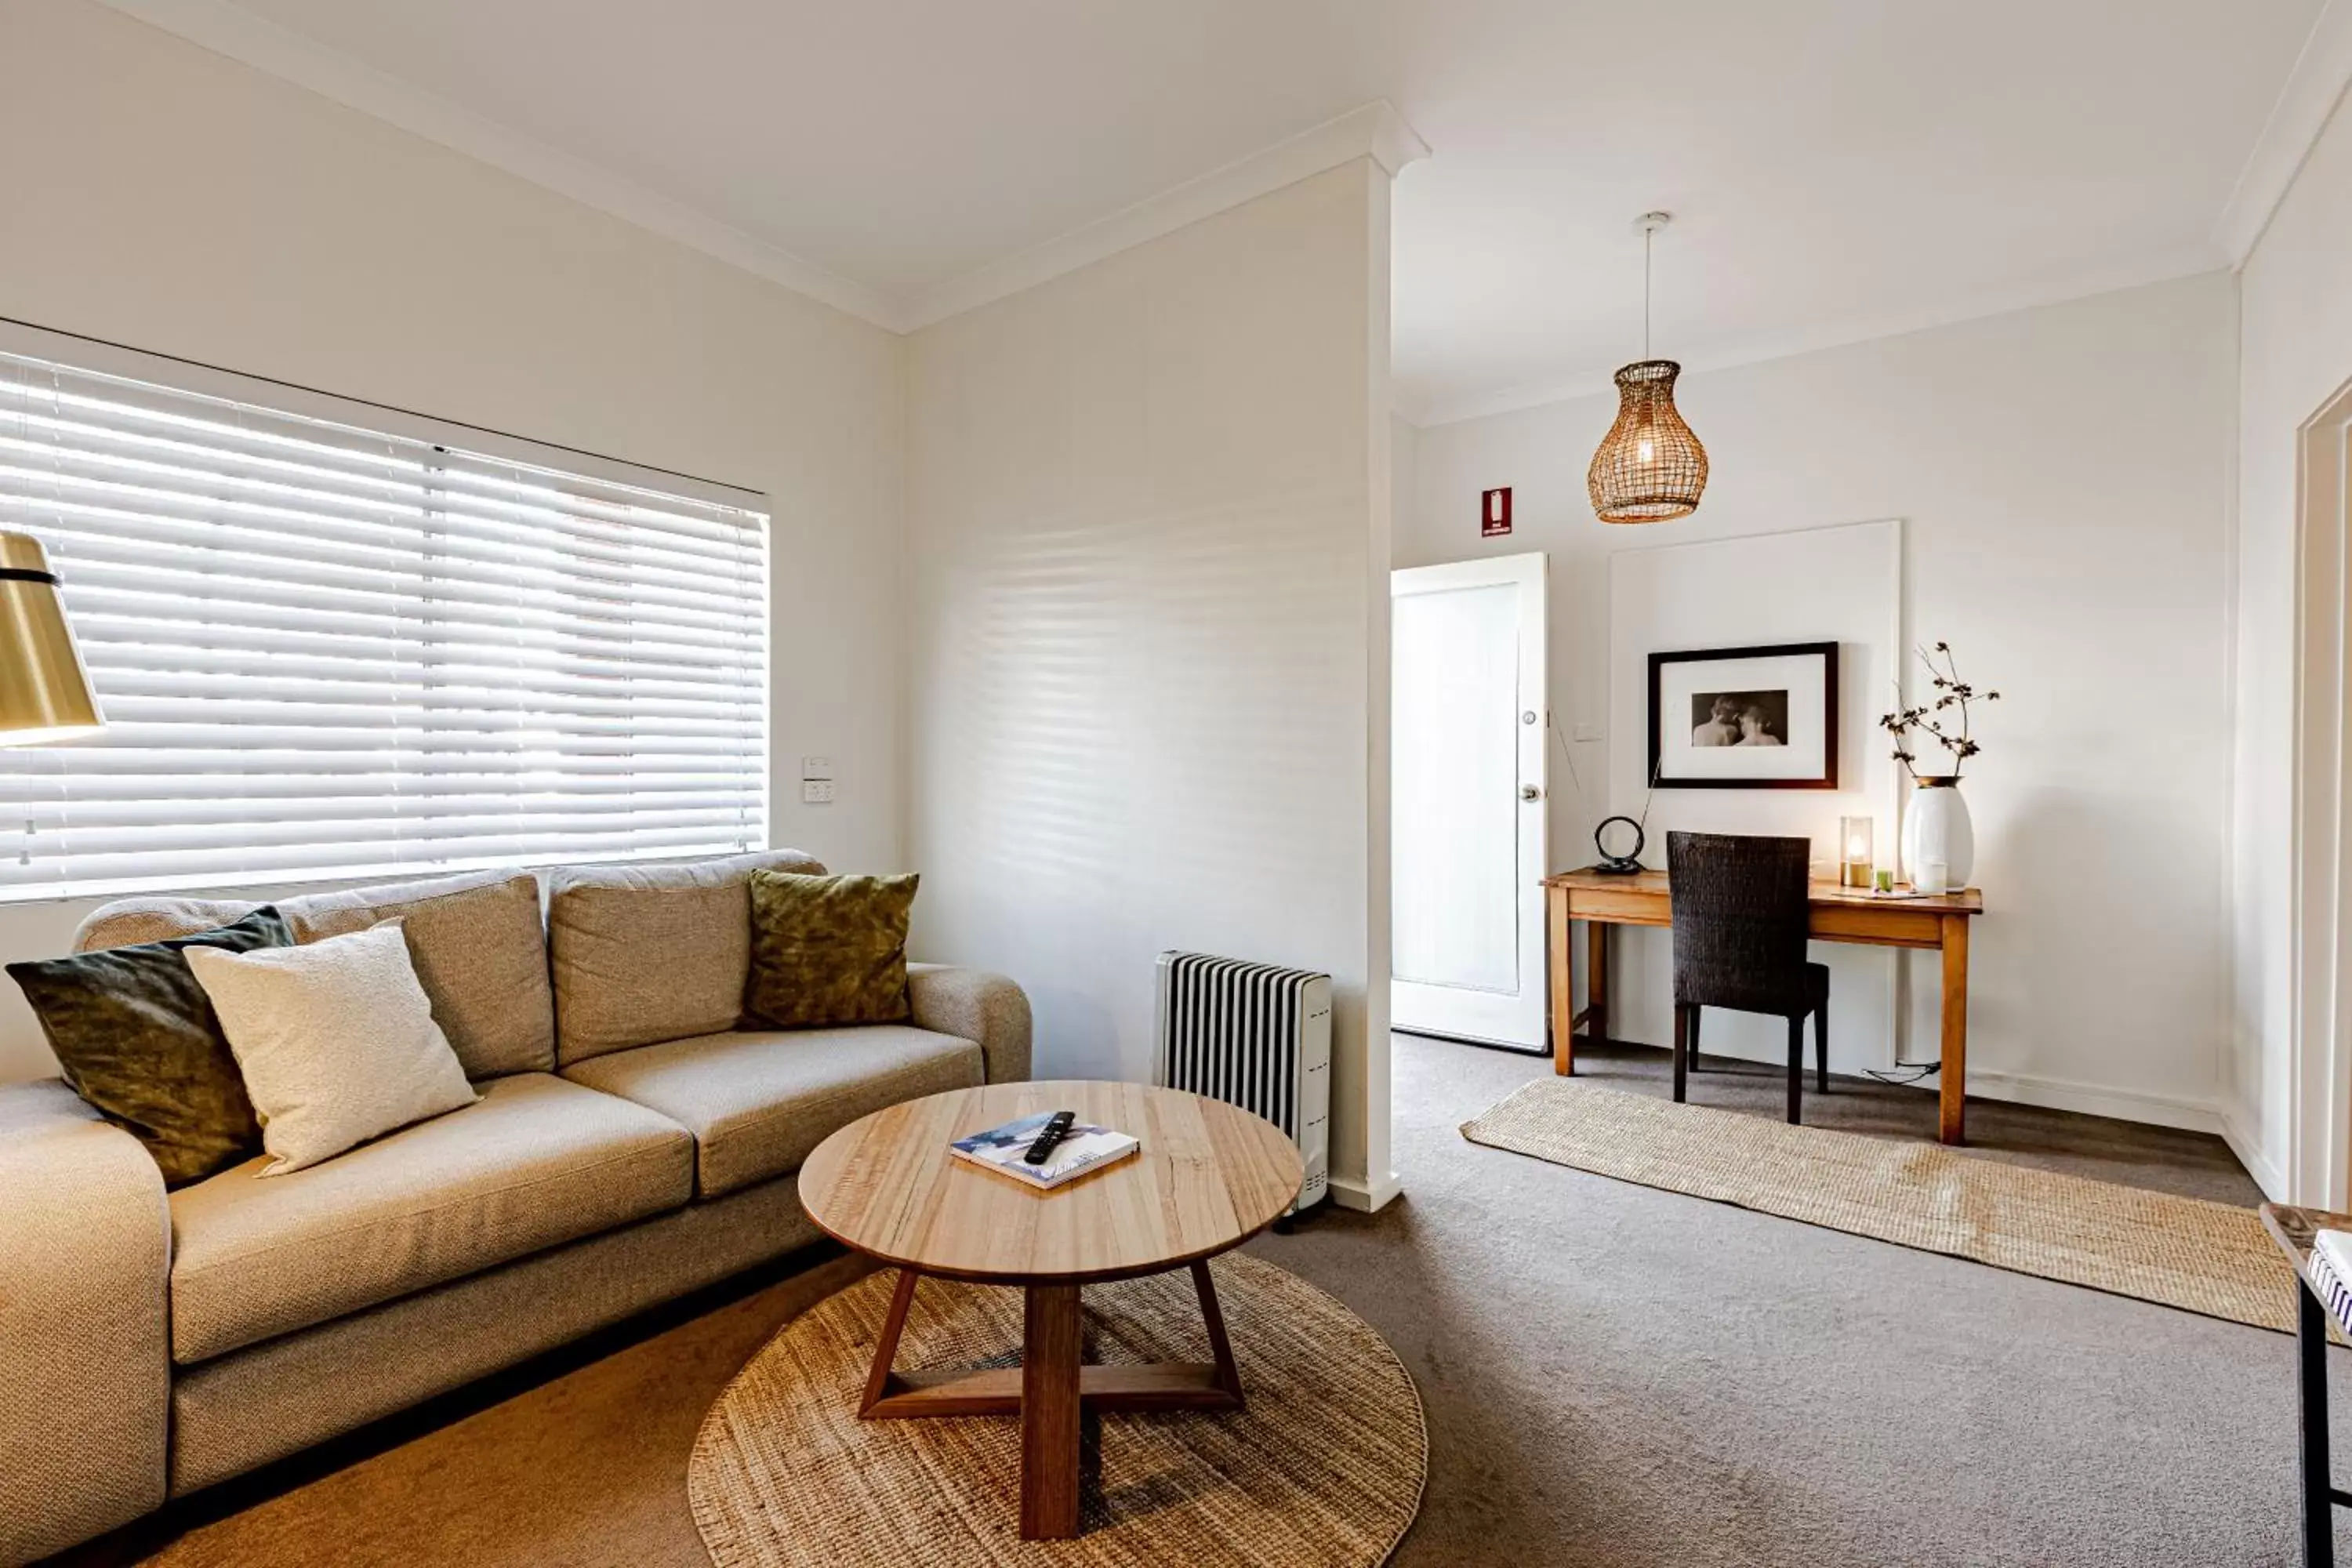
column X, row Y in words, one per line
column 1944, row 718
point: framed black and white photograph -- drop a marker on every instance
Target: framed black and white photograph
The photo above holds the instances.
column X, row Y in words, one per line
column 1745, row 717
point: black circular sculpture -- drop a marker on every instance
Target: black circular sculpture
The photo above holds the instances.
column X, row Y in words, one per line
column 1617, row 865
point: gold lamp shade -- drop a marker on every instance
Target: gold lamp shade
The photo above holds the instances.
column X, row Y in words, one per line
column 1650, row 468
column 44, row 692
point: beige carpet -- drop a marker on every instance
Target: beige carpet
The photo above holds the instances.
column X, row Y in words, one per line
column 1323, row 1469
column 2201, row 1256
column 1614, row 1377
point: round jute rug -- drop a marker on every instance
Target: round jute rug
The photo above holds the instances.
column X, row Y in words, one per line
column 1323, row 1469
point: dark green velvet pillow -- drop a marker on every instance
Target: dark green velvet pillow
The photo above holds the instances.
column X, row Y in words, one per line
column 135, row 1035
column 827, row 949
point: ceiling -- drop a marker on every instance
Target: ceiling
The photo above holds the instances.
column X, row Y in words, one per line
column 1837, row 168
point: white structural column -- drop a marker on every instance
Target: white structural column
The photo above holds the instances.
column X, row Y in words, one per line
column 1148, row 638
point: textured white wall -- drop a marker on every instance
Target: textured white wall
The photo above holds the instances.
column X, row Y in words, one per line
column 1841, row 585
column 163, row 197
column 2296, row 354
column 1147, row 507
column 2062, row 475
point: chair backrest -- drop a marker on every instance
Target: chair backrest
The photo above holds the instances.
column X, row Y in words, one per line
column 1741, row 913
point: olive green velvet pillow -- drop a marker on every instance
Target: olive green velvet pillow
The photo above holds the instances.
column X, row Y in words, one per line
column 827, row 949
column 136, row 1036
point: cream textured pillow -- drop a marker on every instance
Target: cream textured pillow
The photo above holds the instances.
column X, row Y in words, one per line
column 336, row 1041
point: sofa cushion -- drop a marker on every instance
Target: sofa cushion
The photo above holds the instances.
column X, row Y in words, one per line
column 535, row 1163
column 759, row 1102
column 336, row 1041
column 476, row 940
column 827, row 951
column 642, row 953
column 479, row 949
column 138, row 1039
column 130, row 922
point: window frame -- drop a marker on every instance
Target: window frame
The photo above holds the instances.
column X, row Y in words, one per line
column 103, row 357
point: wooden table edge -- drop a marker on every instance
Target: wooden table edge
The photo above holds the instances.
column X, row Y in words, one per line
column 2284, row 1221
column 1820, row 891
column 1090, row 1276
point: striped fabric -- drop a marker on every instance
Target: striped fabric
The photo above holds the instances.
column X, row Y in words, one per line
column 2329, row 1269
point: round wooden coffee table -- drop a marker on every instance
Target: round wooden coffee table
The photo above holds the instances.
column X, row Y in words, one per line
column 1207, row 1177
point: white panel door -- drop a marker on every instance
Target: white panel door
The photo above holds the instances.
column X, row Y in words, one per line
column 1467, row 717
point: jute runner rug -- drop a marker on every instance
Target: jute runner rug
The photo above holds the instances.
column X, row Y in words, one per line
column 1322, row 1469
column 2189, row 1253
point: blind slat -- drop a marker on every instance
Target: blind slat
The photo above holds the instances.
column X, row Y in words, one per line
column 327, row 652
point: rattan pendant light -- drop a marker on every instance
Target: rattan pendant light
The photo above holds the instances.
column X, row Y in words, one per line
column 1650, row 468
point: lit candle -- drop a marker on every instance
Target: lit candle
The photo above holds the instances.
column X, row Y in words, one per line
column 1855, row 852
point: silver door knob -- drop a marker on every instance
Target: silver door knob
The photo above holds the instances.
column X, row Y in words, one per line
column 1529, row 791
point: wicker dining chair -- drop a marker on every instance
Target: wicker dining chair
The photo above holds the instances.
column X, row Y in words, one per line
column 1740, row 910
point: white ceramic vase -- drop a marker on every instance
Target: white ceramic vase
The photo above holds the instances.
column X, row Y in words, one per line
column 1936, row 828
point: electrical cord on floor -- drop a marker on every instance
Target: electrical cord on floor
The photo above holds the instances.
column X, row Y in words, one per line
column 1917, row 1069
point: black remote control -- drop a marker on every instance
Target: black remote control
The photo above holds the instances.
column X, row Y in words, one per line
column 1050, row 1138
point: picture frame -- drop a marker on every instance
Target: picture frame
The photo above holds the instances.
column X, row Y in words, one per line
column 1745, row 717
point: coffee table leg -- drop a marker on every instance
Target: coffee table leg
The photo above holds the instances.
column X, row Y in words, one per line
column 1229, row 1377
column 885, row 1348
column 1049, row 1414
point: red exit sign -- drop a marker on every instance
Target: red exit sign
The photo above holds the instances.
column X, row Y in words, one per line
column 1495, row 514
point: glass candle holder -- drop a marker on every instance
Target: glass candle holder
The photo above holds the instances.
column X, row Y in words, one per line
column 1854, row 850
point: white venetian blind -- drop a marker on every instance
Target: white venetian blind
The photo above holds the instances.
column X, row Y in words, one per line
column 324, row 651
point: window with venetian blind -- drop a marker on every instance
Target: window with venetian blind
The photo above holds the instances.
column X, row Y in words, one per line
column 325, row 650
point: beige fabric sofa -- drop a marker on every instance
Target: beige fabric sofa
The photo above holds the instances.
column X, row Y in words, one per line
column 631, row 1144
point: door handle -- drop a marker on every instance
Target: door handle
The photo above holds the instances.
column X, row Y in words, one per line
column 1529, row 791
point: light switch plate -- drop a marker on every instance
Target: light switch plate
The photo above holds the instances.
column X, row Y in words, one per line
column 816, row 792
column 817, row 767
column 1587, row 732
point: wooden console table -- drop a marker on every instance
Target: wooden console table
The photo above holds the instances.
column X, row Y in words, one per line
column 1838, row 914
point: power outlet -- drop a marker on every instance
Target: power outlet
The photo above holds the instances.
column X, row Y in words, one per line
column 817, row 767
column 1587, row 732
column 816, row 792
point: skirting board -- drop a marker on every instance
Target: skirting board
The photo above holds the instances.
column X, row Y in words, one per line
column 2095, row 1100
column 2265, row 1171
column 2063, row 1094
column 1365, row 1197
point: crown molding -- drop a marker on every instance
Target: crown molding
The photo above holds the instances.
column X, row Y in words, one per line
column 1594, row 382
column 2313, row 88
column 230, row 30
column 1375, row 130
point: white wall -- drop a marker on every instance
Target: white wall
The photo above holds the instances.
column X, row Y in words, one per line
column 2063, row 478
column 1842, row 583
column 1148, row 517
column 2296, row 354
column 166, row 198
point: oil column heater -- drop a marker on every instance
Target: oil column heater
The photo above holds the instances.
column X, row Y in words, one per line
column 1256, row 1036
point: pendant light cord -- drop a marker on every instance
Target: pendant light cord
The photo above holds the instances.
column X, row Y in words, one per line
column 1647, row 235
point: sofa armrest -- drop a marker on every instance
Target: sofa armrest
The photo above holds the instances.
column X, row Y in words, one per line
column 85, row 1357
column 976, row 1005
